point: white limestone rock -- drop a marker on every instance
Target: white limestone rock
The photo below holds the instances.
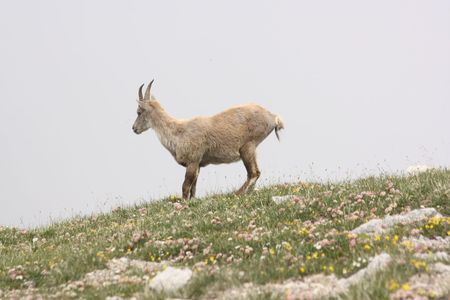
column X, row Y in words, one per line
column 417, row 169
column 170, row 280
column 382, row 225
column 281, row 199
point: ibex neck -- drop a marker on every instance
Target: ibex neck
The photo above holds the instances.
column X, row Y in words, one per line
column 165, row 127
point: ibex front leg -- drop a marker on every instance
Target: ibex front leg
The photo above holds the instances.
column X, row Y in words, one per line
column 194, row 185
column 189, row 179
column 248, row 156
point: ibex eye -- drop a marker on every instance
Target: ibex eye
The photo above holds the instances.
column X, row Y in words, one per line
column 139, row 113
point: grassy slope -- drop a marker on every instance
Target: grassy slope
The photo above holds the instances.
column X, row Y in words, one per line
column 232, row 240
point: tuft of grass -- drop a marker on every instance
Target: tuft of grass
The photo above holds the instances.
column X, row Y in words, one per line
column 230, row 240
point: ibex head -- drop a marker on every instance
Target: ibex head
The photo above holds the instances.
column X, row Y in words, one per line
column 143, row 120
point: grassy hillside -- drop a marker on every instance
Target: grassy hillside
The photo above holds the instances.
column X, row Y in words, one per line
column 229, row 241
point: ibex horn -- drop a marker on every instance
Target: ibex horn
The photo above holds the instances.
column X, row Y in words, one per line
column 140, row 92
column 147, row 92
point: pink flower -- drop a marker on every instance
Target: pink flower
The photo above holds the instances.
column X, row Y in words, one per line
column 179, row 206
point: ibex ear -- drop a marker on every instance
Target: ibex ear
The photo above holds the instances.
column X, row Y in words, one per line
column 147, row 92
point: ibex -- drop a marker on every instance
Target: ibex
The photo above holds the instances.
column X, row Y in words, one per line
column 227, row 137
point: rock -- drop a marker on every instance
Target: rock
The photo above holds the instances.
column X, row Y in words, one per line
column 281, row 199
column 438, row 256
column 170, row 280
column 378, row 262
column 417, row 169
column 316, row 286
column 382, row 225
column 435, row 284
column 439, row 243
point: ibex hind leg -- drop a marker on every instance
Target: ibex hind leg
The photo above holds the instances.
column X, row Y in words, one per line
column 248, row 156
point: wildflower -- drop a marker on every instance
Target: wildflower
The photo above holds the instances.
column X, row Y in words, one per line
column 302, row 269
column 272, row 251
column 419, row 264
column 406, row 287
column 367, row 247
column 395, row 239
column 287, row 246
column 344, row 271
column 408, row 245
column 178, row 206
column 448, row 232
column 376, row 237
column 212, row 258
column 303, row 231
column 331, row 268
column 392, row 285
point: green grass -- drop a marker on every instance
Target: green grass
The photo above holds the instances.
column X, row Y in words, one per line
column 230, row 240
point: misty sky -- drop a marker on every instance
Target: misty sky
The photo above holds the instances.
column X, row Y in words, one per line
column 363, row 88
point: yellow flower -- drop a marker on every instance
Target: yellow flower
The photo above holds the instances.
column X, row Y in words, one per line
column 376, row 237
column 303, row 231
column 395, row 239
column 392, row 285
column 212, row 258
column 435, row 220
column 419, row 264
column 272, row 251
column 315, row 254
column 351, row 236
column 387, row 238
column 287, row 246
column 302, row 269
column 367, row 247
column 448, row 232
column 408, row 245
column 405, row 287
column 331, row 268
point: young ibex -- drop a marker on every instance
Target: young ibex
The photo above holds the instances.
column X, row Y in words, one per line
column 227, row 137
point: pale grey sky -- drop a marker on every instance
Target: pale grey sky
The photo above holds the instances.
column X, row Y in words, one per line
column 363, row 87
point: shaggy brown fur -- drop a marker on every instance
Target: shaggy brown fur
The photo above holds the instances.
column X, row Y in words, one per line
column 227, row 137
